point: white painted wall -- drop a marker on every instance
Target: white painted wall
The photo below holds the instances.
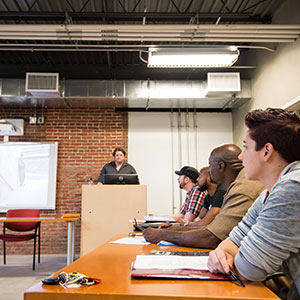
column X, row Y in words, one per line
column 156, row 149
column 276, row 79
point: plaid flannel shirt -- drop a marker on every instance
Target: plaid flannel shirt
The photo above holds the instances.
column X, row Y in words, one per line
column 193, row 201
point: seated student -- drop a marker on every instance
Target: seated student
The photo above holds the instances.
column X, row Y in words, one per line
column 268, row 238
column 187, row 179
column 212, row 202
column 225, row 169
column 118, row 166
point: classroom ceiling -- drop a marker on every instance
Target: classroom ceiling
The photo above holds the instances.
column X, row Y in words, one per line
column 109, row 39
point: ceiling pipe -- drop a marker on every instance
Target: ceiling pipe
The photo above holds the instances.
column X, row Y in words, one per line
column 147, row 27
column 139, row 48
column 269, row 33
column 96, row 16
column 140, row 109
column 160, row 39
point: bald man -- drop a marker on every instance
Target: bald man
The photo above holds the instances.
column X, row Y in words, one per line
column 225, row 169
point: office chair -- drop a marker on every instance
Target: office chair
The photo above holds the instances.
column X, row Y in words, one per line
column 278, row 283
column 22, row 227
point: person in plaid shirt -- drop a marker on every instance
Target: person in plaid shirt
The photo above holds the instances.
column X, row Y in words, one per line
column 187, row 180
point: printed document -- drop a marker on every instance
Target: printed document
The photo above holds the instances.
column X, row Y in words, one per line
column 171, row 262
column 138, row 240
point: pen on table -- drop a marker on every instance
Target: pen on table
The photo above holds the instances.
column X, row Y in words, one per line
column 134, row 234
column 136, row 224
column 236, row 277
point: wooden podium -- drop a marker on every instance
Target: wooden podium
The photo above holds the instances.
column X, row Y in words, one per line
column 106, row 210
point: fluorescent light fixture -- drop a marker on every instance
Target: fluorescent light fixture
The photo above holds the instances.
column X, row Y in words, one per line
column 192, row 57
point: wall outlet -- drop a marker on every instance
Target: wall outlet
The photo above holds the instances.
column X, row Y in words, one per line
column 32, row 120
column 41, row 120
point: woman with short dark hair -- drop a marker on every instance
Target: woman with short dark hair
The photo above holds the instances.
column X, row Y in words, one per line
column 268, row 237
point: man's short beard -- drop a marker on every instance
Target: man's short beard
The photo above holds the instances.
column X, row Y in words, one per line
column 182, row 185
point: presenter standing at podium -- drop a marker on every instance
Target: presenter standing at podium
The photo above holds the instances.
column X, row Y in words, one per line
column 118, row 166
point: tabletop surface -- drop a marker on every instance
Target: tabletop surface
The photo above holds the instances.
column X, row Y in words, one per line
column 112, row 262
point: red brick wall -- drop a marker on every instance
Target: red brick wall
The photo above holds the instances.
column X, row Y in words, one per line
column 86, row 138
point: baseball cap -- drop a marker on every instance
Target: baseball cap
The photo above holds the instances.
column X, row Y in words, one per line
column 188, row 171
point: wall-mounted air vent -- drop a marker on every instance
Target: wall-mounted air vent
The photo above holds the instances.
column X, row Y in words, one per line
column 42, row 84
column 223, row 83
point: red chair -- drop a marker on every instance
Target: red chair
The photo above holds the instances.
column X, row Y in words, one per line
column 22, row 227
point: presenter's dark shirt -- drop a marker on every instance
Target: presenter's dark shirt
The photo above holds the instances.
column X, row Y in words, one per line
column 110, row 168
column 214, row 201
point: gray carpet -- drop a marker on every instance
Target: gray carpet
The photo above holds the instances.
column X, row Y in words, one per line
column 17, row 275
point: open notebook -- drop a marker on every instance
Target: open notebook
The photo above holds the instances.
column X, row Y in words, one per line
column 175, row 267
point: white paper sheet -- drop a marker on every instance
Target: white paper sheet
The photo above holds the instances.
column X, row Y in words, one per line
column 171, row 262
column 138, row 240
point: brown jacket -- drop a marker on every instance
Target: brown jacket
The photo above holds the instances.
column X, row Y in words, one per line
column 239, row 197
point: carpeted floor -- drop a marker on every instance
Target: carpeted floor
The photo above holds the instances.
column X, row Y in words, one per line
column 17, row 275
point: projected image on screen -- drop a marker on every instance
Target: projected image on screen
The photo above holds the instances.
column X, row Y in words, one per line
column 27, row 175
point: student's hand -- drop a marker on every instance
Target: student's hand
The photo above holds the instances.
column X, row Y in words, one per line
column 219, row 261
column 181, row 222
column 152, row 235
column 165, row 225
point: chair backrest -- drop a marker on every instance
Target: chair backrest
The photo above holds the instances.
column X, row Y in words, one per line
column 22, row 213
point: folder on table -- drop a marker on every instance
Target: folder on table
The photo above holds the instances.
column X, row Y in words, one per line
column 175, row 267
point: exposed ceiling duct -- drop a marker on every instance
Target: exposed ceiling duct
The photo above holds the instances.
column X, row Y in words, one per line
column 129, row 94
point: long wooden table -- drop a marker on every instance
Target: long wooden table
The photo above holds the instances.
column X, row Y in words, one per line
column 112, row 262
column 71, row 230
